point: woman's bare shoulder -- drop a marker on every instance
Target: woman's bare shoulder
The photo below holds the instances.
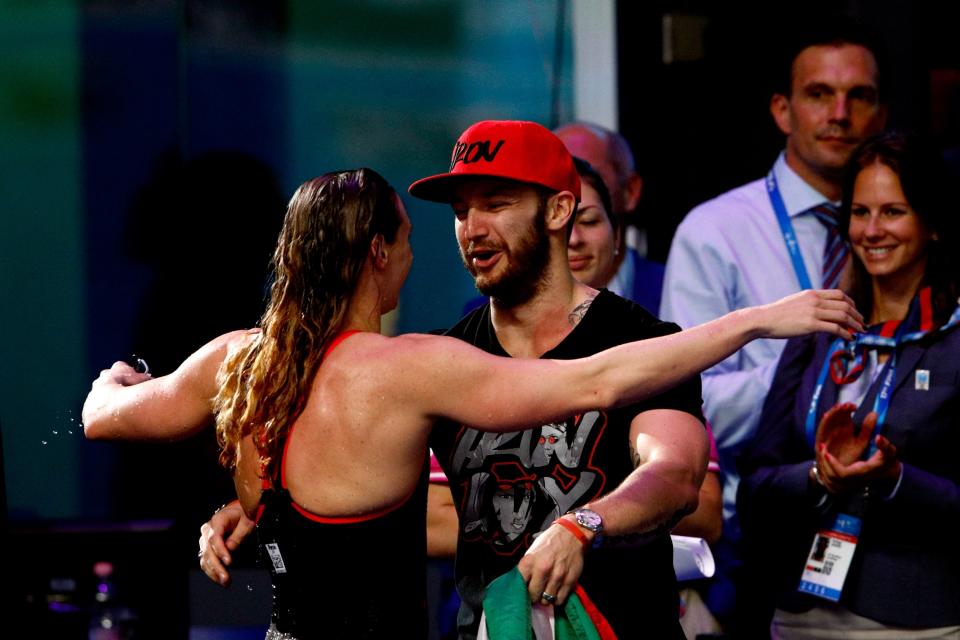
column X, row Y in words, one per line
column 409, row 358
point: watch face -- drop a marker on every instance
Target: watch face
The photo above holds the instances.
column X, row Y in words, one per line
column 589, row 519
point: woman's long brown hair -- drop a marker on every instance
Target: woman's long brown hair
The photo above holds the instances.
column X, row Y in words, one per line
column 326, row 236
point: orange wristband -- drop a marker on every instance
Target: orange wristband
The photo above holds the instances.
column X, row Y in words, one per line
column 574, row 529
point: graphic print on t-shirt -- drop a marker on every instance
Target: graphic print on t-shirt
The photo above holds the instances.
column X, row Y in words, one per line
column 515, row 484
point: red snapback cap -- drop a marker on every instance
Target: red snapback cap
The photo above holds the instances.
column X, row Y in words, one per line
column 511, row 149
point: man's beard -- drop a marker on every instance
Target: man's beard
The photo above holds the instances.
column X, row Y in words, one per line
column 525, row 276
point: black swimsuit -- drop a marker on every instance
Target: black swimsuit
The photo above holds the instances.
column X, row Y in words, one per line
column 345, row 577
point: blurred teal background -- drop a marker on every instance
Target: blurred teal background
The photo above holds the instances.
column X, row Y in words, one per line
column 102, row 102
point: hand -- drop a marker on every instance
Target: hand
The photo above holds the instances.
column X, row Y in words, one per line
column 881, row 468
column 97, row 408
column 810, row 311
column 838, row 435
column 552, row 564
column 214, row 550
column 121, row 374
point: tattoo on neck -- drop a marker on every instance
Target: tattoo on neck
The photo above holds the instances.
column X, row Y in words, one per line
column 579, row 311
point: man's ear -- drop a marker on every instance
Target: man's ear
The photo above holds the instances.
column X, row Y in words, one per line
column 564, row 206
column 780, row 110
column 378, row 251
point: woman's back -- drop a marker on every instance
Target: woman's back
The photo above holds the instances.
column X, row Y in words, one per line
column 356, row 448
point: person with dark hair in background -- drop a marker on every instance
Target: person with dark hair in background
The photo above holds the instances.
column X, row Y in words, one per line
column 594, row 244
column 857, row 440
column 774, row 236
column 324, row 422
column 630, row 274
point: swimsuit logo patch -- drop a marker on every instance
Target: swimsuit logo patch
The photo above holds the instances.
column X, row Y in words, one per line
column 273, row 550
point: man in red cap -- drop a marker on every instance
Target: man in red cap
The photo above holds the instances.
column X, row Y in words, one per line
column 625, row 476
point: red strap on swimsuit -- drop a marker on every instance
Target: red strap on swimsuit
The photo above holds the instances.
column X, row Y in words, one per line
column 337, row 339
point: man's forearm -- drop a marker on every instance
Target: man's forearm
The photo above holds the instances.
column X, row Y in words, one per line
column 649, row 503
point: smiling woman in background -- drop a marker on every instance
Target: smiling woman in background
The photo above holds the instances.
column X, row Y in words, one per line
column 595, row 238
column 855, row 458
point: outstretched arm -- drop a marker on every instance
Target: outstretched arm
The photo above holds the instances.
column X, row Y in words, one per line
column 125, row 404
column 450, row 379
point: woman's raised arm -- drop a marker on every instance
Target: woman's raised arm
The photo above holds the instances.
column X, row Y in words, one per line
column 450, row 379
column 123, row 403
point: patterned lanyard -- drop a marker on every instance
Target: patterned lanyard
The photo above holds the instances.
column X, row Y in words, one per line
column 854, row 351
column 847, row 358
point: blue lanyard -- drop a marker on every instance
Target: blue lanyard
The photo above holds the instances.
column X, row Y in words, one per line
column 881, row 402
column 786, row 228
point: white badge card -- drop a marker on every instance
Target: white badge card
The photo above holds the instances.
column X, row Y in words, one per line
column 273, row 550
column 830, row 557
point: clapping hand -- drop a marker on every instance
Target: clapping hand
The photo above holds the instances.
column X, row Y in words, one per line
column 840, row 445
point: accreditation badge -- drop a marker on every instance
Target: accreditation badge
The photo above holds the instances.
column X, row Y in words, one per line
column 830, row 557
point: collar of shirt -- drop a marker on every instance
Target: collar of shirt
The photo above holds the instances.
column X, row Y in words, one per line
column 798, row 196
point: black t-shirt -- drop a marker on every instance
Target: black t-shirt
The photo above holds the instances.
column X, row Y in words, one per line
column 510, row 486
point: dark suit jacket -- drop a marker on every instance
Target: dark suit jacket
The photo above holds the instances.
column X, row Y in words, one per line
column 647, row 282
column 906, row 570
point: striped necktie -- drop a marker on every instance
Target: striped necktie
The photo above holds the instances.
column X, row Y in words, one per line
column 835, row 250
